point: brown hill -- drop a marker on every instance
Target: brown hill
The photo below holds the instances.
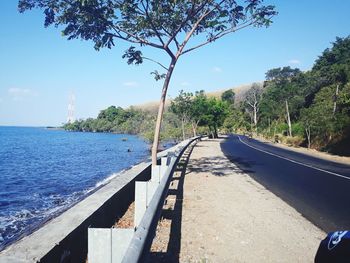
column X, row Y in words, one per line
column 239, row 91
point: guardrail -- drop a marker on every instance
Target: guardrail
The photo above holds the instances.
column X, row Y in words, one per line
column 132, row 245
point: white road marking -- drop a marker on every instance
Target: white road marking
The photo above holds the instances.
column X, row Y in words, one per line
column 293, row 161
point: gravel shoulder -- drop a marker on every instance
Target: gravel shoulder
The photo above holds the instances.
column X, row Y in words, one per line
column 222, row 215
column 311, row 152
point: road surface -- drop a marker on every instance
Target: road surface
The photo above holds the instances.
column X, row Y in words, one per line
column 318, row 189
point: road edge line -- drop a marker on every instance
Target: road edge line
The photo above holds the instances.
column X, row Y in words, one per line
column 293, row 161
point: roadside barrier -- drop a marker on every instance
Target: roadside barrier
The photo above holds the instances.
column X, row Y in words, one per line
column 132, row 245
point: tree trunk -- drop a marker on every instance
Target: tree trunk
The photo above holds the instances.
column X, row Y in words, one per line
column 255, row 116
column 288, row 120
column 216, row 132
column 194, row 129
column 183, row 128
column 161, row 111
column 308, row 135
column 335, row 100
column 255, row 119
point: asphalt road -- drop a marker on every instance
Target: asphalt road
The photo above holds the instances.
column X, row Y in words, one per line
column 318, row 189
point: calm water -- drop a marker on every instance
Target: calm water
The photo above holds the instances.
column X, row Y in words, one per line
column 42, row 172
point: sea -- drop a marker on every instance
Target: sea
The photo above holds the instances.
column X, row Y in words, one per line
column 43, row 172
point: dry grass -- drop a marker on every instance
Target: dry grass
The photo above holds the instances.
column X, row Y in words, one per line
column 240, row 90
column 127, row 220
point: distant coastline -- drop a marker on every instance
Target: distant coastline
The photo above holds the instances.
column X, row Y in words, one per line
column 54, row 128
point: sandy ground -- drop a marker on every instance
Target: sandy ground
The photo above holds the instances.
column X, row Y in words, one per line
column 216, row 213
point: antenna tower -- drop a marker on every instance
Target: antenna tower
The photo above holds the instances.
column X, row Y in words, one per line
column 71, row 108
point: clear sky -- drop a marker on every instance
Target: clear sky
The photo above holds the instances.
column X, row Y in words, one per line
column 39, row 68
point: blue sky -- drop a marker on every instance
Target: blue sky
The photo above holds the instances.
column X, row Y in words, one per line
column 39, row 68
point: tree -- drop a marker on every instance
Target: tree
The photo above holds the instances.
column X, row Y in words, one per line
column 228, row 96
column 198, row 109
column 165, row 25
column 334, row 65
column 113, row 113
column 282, row 89
column 214, row 115
column 181, row 106
column 252, row 100
column 282, row 74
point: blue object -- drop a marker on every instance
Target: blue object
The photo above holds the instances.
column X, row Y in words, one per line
column 334, row 248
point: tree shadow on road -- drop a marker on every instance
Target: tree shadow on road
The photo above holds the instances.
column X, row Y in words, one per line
column 213, row 165
column 243, row 164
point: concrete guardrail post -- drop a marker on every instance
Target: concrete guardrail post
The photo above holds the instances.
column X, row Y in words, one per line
column 110, row 245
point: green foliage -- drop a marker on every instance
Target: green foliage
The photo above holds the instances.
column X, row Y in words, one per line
column 181, row 105
column 228, row 96
column 318, row 102
column 200, row 110
column 298, row 129
column 185, row 113
column 281, row 75
column 157, row 24
column 214, row 115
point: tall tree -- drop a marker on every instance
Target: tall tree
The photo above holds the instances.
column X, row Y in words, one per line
column 198, row 109
column 165, row 25
column 214, row 115
column 252, row 99
column 181, row 106
column 282, row 89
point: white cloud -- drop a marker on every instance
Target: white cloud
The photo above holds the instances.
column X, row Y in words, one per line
column 217, row 69
column 294, row 61
column 185, row 84
column 130, row 84
column 18, row 94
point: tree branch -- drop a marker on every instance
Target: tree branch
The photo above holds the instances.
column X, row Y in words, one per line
column 137, row 38
column 219, row 35
column 172, row 36
column 195, row 26
column 151, row 23
column 160, row 64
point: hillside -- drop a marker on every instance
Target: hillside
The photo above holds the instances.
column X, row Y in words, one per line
column 240, row 90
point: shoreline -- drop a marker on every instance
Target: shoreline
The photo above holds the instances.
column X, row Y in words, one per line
column 67, row 232
column 37, row 225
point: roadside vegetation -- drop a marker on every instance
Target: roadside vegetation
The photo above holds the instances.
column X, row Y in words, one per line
column 187, row 116
column 309, row 109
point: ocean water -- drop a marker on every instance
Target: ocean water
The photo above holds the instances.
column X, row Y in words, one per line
column 43, row 172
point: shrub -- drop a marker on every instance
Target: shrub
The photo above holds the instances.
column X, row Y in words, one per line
column 294, row 141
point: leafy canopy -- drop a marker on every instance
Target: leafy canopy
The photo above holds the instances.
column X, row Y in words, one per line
column 228, row 96
column 181, row 105
column 155, row 23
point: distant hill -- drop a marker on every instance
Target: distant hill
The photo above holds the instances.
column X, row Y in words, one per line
column 239, row 91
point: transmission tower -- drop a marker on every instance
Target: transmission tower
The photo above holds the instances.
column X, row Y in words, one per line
column 71, row 108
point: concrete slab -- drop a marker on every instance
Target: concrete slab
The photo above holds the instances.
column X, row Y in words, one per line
column 100, row 245
column 120, row 242
column 140, row 201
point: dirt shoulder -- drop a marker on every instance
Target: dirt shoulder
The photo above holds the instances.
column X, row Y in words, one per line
column 311, row 152
column 222, row 215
